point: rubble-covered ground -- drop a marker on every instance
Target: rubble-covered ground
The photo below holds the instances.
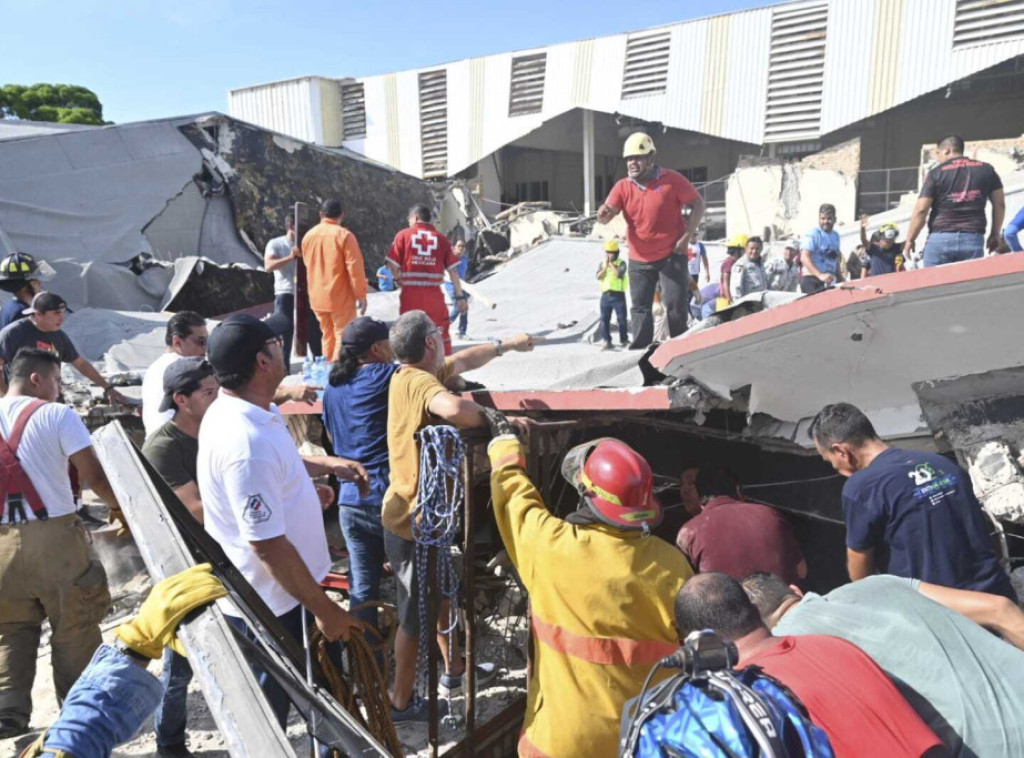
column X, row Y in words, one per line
column 502, row 640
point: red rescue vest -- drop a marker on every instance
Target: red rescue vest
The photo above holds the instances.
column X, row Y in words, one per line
column 13, row 479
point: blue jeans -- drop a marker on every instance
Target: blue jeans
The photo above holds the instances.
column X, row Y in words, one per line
column 951, row 247
column 613, row 301
column 172, row 714
column 364, row 537
column 463, row 318
column 106, row 706
column 284, row 305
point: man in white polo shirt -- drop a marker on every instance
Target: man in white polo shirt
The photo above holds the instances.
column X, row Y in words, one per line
column 259, row 502
column 47, row 569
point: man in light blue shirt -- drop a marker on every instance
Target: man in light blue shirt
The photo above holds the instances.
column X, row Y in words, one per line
column 965, row 682
column 819, row 253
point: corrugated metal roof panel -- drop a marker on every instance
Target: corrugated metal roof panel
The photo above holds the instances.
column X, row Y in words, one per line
column 984, row 21
column 796, row 67
column 285, row 107
column 647, row 60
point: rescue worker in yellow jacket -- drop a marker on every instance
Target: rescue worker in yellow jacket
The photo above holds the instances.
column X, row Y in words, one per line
column 601, row 589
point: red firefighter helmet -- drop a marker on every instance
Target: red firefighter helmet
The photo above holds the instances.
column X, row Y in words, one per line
column 615, row 481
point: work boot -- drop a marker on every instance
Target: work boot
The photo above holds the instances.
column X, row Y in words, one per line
column 174, row 751
column 451, row 686
column 607, row 345
column 416, row 712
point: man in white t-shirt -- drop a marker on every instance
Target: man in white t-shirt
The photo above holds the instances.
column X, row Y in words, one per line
column 279, row 257
column 47, row 570
column 259, row 502
column 185, row 337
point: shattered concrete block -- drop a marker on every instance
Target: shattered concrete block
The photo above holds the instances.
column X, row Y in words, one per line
column 998, row 480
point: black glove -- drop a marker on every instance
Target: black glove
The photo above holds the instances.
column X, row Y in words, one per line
column 497, row 422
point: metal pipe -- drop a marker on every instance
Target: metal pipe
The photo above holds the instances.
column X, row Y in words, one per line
column 314, row 746
column 468, row 570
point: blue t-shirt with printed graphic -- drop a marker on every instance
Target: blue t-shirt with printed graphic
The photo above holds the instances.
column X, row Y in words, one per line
column 918, row 512
column 824, row 249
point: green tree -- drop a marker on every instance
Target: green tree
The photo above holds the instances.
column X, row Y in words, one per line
column 63, row 103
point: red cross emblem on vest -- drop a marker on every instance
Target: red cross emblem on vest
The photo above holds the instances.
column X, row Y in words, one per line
column 424, row 242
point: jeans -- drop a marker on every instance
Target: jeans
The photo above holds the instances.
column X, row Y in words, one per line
column 284, row 305
column 952, row 247
column 106, row 706
column 463, row 319
column 671, row 271
column 364, row 537
column 276, row 695
column 172, row 714
column 613, row 302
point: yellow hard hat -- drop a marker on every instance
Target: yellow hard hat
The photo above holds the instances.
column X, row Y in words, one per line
column 737, row 240
column 611, row 246
column 638, row 143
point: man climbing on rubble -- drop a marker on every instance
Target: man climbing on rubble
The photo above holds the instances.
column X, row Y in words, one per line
column 844, row 691
column 419, row 257
column 417, row 398
column 601, row 589
column 912, row 630
column 189, row 389
column 652, row 199
column 748, row 275
column 820, row 253
column 953, row 199
column 908, row 513
column 258, row 499
column 334, row 274
column 47, row 568
column 22, row 276
column 784, row 273
column 185, row 336
column 734, row 536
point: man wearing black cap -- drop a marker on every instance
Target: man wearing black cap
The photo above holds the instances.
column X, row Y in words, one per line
column 259, row 502
column 189, row 389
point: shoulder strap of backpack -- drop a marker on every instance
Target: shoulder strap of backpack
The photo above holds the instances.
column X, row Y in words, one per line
column 22, row 421
column 752, row 709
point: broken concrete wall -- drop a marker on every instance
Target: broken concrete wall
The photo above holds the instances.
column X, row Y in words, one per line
column 1005, row 155
column 266, row 173
column 783, row 196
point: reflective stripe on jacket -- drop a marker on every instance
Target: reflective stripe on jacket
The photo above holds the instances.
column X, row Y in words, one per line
column 601, row 603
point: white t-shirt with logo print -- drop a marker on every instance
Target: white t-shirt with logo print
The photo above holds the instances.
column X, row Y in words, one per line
column 254, row 487
column 53, row 434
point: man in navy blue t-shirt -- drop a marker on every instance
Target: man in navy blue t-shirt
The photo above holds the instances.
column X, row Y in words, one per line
column 356, row 418
column 908, row 513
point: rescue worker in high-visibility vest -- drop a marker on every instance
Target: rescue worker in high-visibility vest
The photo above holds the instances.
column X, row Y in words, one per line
column 601, row 587
column 419, row 257
column 613, row 280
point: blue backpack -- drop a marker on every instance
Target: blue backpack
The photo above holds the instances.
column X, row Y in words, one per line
column 722, row 714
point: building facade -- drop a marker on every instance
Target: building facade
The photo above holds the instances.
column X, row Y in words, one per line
column 785, row 80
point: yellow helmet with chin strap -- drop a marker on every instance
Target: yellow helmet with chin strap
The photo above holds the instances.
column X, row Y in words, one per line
column 638, row 143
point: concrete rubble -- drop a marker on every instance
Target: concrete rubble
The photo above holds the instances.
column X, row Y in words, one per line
column 998, row 480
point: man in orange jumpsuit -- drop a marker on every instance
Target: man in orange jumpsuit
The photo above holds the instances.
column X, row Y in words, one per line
column 418, row 258
column 334, row 274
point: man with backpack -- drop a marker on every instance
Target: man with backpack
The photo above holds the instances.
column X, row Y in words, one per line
column 47, row 569
column 844, row 691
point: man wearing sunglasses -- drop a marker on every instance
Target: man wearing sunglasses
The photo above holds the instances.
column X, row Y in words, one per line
column 185, row 337
column 819, row 253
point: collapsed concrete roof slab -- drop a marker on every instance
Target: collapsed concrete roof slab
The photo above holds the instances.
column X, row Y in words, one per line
column 867, row 344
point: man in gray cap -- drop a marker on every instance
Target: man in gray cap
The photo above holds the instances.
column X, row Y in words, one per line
column 259, row 502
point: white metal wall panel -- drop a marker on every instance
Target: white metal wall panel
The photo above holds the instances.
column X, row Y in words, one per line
column 285, row 107
column 650, row 107
column 560, row 79
column 646, row 69
column 747, row 76
column 925, row 67
column 409, row 123
column 847, row 63
column 376, row 142
column 796, row 71
column 984, row 21
column 460, row 120
column 689, row 56
column 606, row 74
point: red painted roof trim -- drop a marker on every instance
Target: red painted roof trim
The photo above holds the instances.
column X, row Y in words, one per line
column 855, row 293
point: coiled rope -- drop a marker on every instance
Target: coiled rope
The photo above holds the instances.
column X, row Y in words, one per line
column 435, row 523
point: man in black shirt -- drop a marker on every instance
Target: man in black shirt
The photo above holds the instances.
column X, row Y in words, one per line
column 189, row 389
column 953, row 199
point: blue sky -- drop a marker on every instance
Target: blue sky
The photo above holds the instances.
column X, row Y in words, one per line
column 148, row 59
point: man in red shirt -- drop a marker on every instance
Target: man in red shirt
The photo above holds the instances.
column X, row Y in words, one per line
column 844, row 691
column 652, row 199
column 418, row 258
column 735, row 537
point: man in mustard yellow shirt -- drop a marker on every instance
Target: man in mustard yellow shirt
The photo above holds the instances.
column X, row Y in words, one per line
column 334, row 275
column 418, row 398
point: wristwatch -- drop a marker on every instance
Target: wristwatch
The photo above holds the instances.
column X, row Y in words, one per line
column 120, row 645
column 497, row 346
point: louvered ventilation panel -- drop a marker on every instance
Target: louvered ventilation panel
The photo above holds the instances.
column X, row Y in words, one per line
column 353, row 111
column 434, row 123
column 646, row 71
column 980, row 21
column 526, row 92
column 796, row 71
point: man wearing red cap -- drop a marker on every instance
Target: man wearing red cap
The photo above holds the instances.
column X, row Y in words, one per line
column 418, row 258
column 601, row 589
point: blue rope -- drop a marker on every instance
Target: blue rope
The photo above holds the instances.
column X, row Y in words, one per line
column 435, row 523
